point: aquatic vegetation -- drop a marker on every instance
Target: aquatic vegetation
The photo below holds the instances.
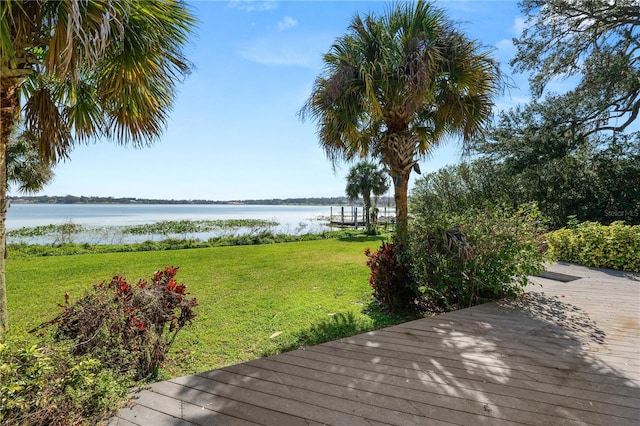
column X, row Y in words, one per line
column 167, row 227
column 70, row 232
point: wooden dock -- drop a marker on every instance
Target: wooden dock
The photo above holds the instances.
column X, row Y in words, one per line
column 568, row 353
column 353, row 216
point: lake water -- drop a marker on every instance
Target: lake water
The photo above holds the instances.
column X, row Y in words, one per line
column 291, row 219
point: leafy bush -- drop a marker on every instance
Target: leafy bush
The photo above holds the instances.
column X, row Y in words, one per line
column 42, row 384
column 390, row 279
column 589, row 243
column 479, row 255
column 129, row 328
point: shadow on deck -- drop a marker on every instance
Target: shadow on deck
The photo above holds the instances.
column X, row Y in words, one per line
column 566, row 353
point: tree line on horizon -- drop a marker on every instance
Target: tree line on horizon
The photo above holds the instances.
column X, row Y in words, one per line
column 72, row 199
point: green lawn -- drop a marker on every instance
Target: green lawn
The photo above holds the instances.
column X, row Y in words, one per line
column 308, row 291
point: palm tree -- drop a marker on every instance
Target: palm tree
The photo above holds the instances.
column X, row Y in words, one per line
column 24, row 167
column 79, row 71
column 397, row 85
column 363, row 179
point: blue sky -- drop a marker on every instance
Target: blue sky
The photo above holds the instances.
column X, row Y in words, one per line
column 234, row 132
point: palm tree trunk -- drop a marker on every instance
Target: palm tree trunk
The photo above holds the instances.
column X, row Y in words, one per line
column 399, row 156
column 8, row 106
column 401, row 189
column 367, row 208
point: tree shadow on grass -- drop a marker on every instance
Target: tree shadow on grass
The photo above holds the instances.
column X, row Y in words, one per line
column 340, row 325
column 363, row 238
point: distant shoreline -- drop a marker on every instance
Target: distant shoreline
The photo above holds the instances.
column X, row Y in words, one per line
column 71, row 199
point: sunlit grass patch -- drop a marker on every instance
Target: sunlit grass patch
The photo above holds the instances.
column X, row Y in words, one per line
column 253, row 300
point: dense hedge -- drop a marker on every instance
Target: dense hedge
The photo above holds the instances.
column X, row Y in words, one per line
column 616, row 246
column 479, row 255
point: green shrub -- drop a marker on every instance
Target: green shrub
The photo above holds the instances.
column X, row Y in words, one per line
column 479, row 255
column 390, row 279
column 616, row 246
column 43, row 384
column 129, row 328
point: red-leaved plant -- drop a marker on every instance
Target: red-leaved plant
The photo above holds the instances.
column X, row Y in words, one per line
column 129, row 328
column 390, row 278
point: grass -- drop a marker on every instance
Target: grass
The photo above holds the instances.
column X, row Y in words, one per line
column 253, row 300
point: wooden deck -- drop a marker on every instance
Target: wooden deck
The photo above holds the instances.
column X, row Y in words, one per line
column 566, row 354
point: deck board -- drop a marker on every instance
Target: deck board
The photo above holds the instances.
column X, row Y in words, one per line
column 568, row 353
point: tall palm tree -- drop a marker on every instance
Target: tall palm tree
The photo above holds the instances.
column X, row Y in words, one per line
column 363, row 179
column 397, row 85
column 83, row 70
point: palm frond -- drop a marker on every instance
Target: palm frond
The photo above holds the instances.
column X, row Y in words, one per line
column 136, row 81
column 46, row 120
column 100, row 68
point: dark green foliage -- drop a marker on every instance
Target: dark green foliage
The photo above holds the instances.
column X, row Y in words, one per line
column 129, row 328
column 43, row 384
column 532, row 155
column 390, row 278
column 63, row 233
column 616, row 246
column 457, row 188
column 464, row 259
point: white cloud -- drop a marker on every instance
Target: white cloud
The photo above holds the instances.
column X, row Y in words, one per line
column 254, row 5
column 275, row 52
column 280, row 49
column 286, row 23
column 519, row 24
column 505, row 49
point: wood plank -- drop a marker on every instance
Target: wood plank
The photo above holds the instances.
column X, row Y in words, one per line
column 215, row 407
column 377, row 394
column 435, row 376
column 440, row 397
column 545, row 359
column 219, row 383
column 486, row 373
column 154, row 409
column 544, row 334
column 435, row 379
column 327, row 401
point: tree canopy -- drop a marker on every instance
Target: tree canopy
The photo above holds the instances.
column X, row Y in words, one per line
column 530, row 155
column 364, row 179
column 598, row 42
column 396, row 85
column 79, row 71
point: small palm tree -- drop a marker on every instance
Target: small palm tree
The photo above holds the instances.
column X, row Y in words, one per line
column 25, row 169
column 395, row 86
column 78, row 71
column 363, row 179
